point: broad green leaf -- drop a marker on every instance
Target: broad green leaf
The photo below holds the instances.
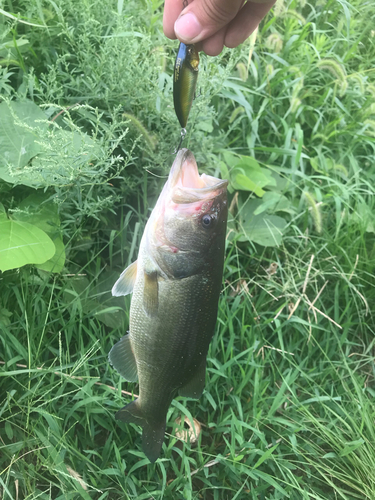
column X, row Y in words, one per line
column 10, row 44
column 22, row 243
column 231, row 229
column 249, row 162
column 56, row 263
column 273, row 201
column 37, row 210
column 266, row 230
column 330, row 164
column 20, row 126
column 36, row 155
column 282, row 182
column 230, row 159
column 224, row 170
column 248, row 175
column 240, row 181
column 10, row 48
column 351, row 446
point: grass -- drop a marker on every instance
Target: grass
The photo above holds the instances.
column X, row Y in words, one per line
column 288, row 408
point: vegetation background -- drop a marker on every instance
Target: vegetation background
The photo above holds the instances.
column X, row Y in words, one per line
column 86, row 132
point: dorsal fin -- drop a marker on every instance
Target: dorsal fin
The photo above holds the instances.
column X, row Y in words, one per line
column 125, row 284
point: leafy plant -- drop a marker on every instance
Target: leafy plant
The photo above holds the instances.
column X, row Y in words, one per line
column 287, row 410
column 255, row 220
column 35, row 156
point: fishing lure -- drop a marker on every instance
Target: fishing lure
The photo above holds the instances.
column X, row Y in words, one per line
column 185, row 81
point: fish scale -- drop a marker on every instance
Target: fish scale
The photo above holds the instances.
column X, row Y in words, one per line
column 161, row 337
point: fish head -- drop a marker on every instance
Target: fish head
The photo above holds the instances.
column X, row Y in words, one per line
column 188, row 225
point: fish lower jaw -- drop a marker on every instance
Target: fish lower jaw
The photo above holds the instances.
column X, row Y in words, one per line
column 171, row 248
column 167, row 247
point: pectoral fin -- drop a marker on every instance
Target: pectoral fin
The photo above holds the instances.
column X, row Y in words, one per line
column 150, row 293
column 125, row 284
column 195, row 386
column 122, row 358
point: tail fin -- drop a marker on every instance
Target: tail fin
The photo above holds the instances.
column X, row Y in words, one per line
column 152, row 440
column 153, row 432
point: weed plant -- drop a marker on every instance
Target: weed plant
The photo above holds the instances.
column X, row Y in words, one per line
column 288, row 409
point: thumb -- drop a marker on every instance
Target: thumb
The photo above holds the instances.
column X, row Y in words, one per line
column 203, row 18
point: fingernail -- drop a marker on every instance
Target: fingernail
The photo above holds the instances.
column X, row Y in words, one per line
column 187, row 27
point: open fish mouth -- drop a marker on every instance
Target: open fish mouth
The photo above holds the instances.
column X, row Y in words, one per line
column 185, row 183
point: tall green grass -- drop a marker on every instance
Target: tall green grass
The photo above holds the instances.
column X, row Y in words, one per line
column 288, row 409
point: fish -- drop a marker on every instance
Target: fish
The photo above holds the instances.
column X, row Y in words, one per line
column 185, row 81
column 175, row 282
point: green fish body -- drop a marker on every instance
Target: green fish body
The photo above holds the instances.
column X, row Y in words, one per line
column 176, row 283
column 185, row 81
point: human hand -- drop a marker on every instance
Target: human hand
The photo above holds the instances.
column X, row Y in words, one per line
column 211, row 24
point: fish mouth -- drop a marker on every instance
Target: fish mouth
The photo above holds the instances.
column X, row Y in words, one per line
column 187, row 186
column 186, row 195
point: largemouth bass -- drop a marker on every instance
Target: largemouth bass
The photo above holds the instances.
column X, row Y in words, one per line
column 176, row 283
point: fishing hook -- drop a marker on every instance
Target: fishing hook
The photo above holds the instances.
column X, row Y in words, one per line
column 183, row 134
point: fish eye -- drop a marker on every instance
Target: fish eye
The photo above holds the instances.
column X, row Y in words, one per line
column 206, row 220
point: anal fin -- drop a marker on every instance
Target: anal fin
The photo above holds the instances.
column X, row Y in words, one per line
column 195, row 386
column 125, row 284
column 122, row 358
column 131, row 413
